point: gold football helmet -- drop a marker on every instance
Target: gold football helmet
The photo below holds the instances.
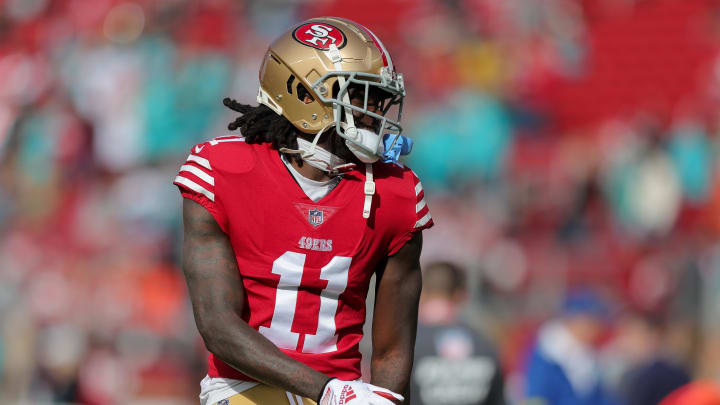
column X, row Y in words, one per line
column 323, row 58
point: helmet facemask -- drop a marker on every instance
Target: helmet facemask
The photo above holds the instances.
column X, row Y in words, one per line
column 367, row 145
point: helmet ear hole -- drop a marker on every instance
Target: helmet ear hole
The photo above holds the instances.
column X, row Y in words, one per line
column 303, row 94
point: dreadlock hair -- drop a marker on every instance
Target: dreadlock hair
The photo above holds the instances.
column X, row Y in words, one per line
column 261, row 124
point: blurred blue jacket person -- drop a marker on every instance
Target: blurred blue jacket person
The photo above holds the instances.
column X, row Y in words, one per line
column 563, row 368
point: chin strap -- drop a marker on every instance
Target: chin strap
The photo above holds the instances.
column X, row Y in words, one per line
column 318, row 157
column 369, row 190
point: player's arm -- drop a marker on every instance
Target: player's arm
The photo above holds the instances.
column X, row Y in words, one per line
column 395, row 318
column 218, row 297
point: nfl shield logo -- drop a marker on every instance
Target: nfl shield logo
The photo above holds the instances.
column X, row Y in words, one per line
column 315, row 217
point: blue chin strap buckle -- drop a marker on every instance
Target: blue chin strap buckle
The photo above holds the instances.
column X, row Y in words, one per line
column 402, row 146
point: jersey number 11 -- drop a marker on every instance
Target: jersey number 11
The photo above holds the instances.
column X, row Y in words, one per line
column 290, row 267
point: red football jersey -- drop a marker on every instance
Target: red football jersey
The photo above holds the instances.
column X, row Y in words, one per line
column 305, row 265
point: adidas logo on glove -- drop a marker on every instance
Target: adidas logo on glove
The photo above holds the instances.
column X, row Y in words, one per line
column 338, row 392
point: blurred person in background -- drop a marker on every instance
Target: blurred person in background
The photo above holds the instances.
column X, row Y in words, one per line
column 283, row 230
column 454, row 364
column 563, row 368
column 653, row 373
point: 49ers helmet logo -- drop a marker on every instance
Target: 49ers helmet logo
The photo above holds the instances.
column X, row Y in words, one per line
column 319, row 36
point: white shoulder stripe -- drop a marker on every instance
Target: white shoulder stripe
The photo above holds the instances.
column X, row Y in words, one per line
column 217, row 141
column 195, row 187
column 422, row 221
column 290, row 398
column 418, row 188
column 199, row 160
column 420, row 205
column 201, row 174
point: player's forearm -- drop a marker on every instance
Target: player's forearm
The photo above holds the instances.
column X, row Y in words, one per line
column 395, row 318
column 392, row 369
column 246, row 350
column 394, row 329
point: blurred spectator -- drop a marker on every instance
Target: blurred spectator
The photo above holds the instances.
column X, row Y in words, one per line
column 474, row 130
column 563, row 368
column 653, row 373
column 454, row 364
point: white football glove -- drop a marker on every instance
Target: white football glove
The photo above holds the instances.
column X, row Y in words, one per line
column 338, row 392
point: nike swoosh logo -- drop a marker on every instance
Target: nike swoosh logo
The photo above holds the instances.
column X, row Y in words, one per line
column 199, row 148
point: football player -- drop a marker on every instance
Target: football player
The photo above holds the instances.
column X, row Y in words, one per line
column 285, row 226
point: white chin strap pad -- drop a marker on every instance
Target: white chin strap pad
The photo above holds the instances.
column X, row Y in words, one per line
column 366, row 145
column 369, row 190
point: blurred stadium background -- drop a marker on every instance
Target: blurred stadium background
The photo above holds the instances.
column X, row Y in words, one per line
column 562, row 144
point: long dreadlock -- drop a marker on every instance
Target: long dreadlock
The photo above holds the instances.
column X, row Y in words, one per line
column 261, row 124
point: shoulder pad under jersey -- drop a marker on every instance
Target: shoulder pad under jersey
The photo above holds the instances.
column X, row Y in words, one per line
column 209, row 160
column 396, row 179
column 227, row 154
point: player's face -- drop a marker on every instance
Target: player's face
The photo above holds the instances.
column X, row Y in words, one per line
column 336, row 145
column 376, row 101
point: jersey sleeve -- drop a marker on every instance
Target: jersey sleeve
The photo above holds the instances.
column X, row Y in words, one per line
column 419, row 215
column 197, row 180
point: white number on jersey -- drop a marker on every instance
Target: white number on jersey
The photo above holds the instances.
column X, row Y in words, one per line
column 290, row 268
